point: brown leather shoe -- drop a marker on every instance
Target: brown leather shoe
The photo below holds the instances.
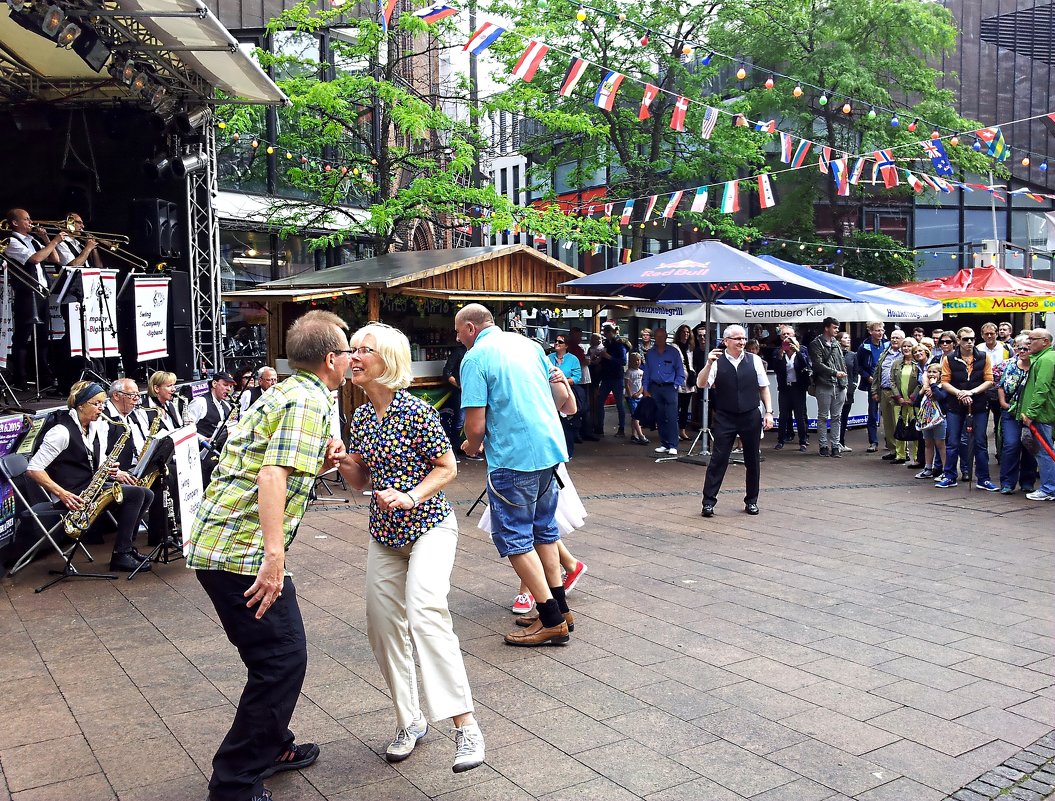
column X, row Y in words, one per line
column 531, row 617
column 537, row 635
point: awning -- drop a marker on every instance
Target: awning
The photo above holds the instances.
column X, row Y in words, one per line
column 178, row 45
column 287, row 295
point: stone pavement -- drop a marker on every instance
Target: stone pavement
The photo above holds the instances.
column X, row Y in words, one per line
column 866, row 636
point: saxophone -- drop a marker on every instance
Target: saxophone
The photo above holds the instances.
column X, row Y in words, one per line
column 150, row 477
column 97, row 496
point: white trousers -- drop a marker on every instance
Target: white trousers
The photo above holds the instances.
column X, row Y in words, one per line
column 406, row 610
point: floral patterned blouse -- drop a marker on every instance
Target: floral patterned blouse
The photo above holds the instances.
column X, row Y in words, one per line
column 398, row 450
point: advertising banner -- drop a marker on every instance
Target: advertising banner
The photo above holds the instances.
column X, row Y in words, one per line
column 10, row 428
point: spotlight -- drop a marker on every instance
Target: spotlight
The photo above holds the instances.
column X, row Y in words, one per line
column 158, row 169
column 190, row 121
column 51, row 24
column 191, row 163
column 139, row 82
column 69, row 35
column 91, row 49
column 128, row 72
column 156, row 96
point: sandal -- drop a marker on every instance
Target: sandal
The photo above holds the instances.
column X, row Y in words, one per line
column 295, row 758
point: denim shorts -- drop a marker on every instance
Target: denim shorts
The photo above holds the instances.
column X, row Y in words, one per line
column 934, row 433
column 523, row 505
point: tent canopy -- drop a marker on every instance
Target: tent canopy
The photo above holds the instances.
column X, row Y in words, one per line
column 705, row 272
column 986, row 289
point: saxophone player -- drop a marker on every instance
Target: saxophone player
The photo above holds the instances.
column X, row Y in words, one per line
column 123, row 406
column 161, row 395
column 73, row 449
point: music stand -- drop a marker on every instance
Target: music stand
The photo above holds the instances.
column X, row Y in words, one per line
column 73, row 292
column 158, row 452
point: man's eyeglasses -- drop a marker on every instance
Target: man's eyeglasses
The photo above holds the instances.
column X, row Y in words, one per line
column 129, row 395
column 362, row 350
column 738, row 339
column 1022, row 347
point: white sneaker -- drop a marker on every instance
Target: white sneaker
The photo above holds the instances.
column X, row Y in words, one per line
column 672, row 451
column 1040, row 495
column 661, row 449
column 403, row 743
column 469, row 748
column 846, row 449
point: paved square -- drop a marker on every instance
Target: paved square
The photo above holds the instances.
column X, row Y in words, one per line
column 867, row 636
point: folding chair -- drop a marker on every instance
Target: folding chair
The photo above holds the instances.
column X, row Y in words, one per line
column 45, row 518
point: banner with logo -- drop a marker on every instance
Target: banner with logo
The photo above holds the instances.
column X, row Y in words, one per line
column 152, row 315
column 6, row 320
column 10, row 428
column 1007, row 305
column 99, row 307
column 188, row 477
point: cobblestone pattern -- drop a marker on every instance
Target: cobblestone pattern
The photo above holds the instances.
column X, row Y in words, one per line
column 1029, row 775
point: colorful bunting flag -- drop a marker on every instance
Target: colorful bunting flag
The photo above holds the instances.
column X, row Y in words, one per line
column 699, row 200
column 887, row 168
column 528, row 63
column 386, row 7
column 646, row 100
column 938, row 157
column 608, row 208
column 785, row 148
column 731, row 197
column 710, row 119
column 625, row 257
column 435, row 12
column 573, row 76
column 604, row 97
column 932, row 183
column 823, row 159
column 628, row 210
column 765, row 192
column 914, row 182
column 839, row 176
column 859, row 168
column 998, row 148
column 651, row 207
column 740, row 121
column 1049, row 122
column 800, row 153
column 677, row 119
column 485, row 36
column 672, row 204
column 766, row 127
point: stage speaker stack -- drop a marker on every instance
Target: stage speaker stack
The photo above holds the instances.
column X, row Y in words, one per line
column 181, row 340
column 156, row 228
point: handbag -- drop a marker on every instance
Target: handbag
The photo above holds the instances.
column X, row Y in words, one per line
column 930, row 415
column 906, row 430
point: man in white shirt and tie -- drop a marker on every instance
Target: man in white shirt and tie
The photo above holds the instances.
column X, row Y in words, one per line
column 27, row 251
column 210, row 412
column 123, row 406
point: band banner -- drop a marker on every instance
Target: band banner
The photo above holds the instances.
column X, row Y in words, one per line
column 6, row 320
column 152, row 315
column 10, row 428
column 99, row 288
column 188, row 478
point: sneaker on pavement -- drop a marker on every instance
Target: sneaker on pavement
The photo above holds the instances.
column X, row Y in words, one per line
column 872, row 448
column 661, row 449
column 672, row 451
column 523, row 603
column 1007, row 490
column 468, row 748
column 1040, row 495
column 988, row 486
column 945, row 482
column 846, row 449
column 803, row 448
column 825, row 451
column 572, row 578
column 925, row 473
column 403, row 743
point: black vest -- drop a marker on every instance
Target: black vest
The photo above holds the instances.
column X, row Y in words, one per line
column 735, row 388
column 207, row 425
column 171, row 420
column 74, row 467
column 253, row 393
column 960, row 378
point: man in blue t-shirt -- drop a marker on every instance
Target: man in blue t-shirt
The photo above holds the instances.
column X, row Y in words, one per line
column 511, row 399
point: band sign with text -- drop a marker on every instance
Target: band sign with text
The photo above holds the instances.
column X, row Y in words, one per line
column 99, row 306
column 152, row 306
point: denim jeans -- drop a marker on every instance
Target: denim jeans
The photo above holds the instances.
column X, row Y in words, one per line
column 523, row 505
column 873, row 420
column 1017, row 465
column 955, row 421
column 1044, row 461
column 615, row 386
column 666, row 414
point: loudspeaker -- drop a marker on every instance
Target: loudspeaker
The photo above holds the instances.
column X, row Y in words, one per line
column 181, row 352
column 155, row 227
column 179, row 299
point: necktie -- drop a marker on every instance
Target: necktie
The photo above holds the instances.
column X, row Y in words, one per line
column 97, row 451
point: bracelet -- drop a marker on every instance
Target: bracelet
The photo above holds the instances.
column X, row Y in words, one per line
column 410, row 494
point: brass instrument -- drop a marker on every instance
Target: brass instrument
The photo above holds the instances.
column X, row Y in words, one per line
column 150, row 477
column 112, row 243
column 97, row 495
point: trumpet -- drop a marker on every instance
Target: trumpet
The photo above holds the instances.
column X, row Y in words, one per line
column 69, row 226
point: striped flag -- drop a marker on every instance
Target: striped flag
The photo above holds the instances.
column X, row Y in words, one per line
column 785, row 148
column 608, row 209
column 766, row 127
column 710, row 119
column 931, row 183
column 823, row 159
column 740, row 121
column 604, row 97
column 800, row 153
column 887, row 168
column 625, row 257
column 528, row 63
column 677, row 119
column 672, row 204
column 731, row 197
column 651, row 207
column 994, row 137
column 859, row 168
column 914, row 182
column 699, row 200
column 765, row 192
column 485, row 36
column 435, row 12
column 839, row 175
column 386, row 7
column 628, row 211
column 646, row 100
column 573, row 76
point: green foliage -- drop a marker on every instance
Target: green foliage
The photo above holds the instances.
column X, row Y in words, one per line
column 877, row 258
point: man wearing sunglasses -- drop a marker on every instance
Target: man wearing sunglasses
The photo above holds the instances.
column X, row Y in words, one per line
column 966, row 374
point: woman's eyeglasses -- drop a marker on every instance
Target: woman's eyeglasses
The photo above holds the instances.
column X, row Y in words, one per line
column 561, row 342
column 362, row 350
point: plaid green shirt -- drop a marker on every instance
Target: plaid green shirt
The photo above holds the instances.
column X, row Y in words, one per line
column 289, row 426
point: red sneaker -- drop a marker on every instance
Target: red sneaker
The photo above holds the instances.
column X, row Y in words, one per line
column 572, row 578
column 523, row 603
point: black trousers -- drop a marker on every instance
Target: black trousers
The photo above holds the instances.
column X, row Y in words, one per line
column 792, row 406
column 727, row 426
column 128, row 514
column 29, row 312
column 275, row 653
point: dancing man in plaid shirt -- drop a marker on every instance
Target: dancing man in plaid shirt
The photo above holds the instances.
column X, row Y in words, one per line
column 238, row 547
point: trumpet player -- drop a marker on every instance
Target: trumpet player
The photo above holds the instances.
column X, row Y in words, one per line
column 26, row 249
column 74, row 254
column 209, row 411
column 74, row 449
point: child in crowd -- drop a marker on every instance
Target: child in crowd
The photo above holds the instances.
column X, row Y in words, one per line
column 633, row 391
column 933, row 436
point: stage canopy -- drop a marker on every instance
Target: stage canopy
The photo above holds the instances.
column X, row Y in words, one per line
column 986, row 290
column 154, row 51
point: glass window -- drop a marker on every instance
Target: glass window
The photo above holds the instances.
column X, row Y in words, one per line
column 978, row 225
column 294, row 49
column 936, row 227
column 1029, row 229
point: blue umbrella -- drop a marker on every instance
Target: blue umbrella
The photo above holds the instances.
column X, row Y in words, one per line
column 705, row 272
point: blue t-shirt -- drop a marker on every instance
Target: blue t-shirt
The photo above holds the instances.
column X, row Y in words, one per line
column 508, row 374
column 569, row 365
